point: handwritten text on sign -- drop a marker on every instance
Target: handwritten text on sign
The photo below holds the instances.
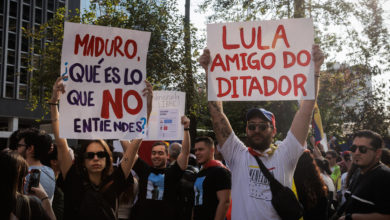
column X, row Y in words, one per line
column 106, row 69
column 268, row 60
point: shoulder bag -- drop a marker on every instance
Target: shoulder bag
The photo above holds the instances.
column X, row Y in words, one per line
column 283, row 198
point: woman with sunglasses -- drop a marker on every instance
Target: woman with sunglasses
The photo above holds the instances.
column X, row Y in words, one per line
column 15, row 205
column 91, row 185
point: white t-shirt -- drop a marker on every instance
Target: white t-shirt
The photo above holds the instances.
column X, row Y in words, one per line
column 251, row 194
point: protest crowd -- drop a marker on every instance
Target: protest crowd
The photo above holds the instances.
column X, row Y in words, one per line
column 221, row 178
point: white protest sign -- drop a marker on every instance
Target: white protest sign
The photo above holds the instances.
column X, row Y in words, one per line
column 106, row 69
column 256, row 61
column 165, row 119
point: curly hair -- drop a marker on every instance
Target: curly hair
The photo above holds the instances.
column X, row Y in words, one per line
column 310, row 186
column 79, row 160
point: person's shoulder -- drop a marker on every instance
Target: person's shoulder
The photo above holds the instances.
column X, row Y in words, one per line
column 383, row 171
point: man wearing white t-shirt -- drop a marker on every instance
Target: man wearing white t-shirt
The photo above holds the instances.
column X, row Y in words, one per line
column 251, row 194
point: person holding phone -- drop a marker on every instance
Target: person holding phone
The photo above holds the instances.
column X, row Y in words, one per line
column 91, row 185
column 34, row 145
column 16, row 205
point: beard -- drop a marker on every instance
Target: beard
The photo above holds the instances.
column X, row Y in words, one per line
column 261, row 146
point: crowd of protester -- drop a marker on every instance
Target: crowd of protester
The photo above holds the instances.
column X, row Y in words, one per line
column 222, row 181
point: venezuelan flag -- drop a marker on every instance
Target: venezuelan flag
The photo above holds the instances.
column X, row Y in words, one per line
column 317, row 124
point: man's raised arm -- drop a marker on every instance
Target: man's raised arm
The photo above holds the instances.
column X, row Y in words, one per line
column 302, row 119
column 221, row 125
column 182, row 159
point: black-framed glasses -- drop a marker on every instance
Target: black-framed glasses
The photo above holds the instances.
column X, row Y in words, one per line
column 362, row 149
column 261, row 126
column 91, row 155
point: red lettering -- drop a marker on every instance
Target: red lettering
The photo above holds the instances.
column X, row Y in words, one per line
column 89, row 51
column 273, row 60
column 255, row 85
column 287, row 54
column 105, row 48
column 78, row 42
column 244, row 79
column 116, row 105
column 308, row 57
column 281, row 35
column 300, row 85
column 138, row 108
column 243, row 56
column 255, row 62
column 99, row 46
column 234, row 79
column 218, row 62
column 243, row 38
column 267, row 87
column 232, row 59
column 220, row 93
column 225, row 45
column 281, row 84
column 117, row 45
column 130, row 56
column 261, row 47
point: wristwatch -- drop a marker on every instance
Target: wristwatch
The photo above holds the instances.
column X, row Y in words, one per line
column 348, row 216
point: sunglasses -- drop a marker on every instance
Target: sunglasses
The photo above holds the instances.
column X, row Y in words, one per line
column 91, row 155
column 262, row 126
column 362, row 149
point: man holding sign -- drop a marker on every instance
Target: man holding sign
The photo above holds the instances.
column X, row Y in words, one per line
column 251, row 194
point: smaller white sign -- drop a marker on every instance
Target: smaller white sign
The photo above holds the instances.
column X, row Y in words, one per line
column 165, row 119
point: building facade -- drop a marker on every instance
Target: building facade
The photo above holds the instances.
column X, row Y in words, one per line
column 15, row 49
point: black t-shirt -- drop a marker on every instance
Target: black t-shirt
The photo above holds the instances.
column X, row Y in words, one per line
column 83, row 200
column 208, row 182
column 158, row 191
column 370, row 192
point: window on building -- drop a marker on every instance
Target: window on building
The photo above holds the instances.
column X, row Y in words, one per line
column 11, row 40
column 9, row 90
column 10, row 73
column 26, row 25
column 13, row 9
column 49, row 15
column 38, row 3
column 23, row 59
column 23, row 75
column 50, row 5
column 38, row 16
column 26, row 12
column 12, row 24
column 22, row 92
column 1, row 21
column 25, row 44
column 11, row 57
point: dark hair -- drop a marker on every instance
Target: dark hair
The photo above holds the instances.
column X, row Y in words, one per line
column 376, row 139
column 13, row 140
column 39, row 139
column 324, row 166
column 310, row 186
column 207, row 140
column 332, row 153
column 161, row 143
column 15, row 169
column 79, row 161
